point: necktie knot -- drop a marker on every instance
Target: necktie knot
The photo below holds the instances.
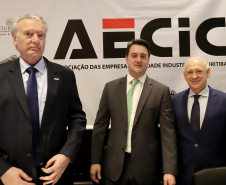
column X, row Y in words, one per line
column 134, row 82
column 31, row 70
column 196, row 97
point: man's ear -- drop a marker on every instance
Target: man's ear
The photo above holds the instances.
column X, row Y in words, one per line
column 126, row 57
column 15, row 40
column 208, row 72
column 184, row 75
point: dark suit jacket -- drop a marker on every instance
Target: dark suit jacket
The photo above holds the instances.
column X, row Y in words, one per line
column 62, row 109
column 150, row 145
column 209, row 149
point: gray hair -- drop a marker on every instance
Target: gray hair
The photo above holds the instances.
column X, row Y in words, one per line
column 16, row 20
column 192, row 58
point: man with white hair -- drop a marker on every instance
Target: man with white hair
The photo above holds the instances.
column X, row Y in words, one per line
column 42, row 121
column 200, row 114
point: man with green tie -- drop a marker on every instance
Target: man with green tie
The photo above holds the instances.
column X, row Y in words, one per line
column 141, row 145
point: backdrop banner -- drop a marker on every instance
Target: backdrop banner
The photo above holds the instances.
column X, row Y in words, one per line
column 90, row 38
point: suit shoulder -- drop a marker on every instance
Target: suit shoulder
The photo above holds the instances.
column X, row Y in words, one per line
column 178, row 96
column 156, row 83
column 9, row 63
column 218, row 92
column 4, row 67
column 116, row 81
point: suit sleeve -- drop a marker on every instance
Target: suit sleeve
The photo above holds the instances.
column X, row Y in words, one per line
column 4, row 164
column 77, row 124
column 168, row 135
column 100, row 128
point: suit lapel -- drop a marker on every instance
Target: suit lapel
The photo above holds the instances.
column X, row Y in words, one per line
column 16, row 81
column 184, row 110
column 143, row 98
column 122, row 96
column 210, row 109
column 53, row 81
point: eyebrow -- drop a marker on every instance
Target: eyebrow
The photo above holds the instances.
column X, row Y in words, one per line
column 141, row 53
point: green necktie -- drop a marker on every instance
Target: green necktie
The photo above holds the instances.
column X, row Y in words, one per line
column 130, row 98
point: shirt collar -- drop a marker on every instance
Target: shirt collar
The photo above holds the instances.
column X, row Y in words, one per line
column 40, row 66
column 130, row 78
column 204, row 92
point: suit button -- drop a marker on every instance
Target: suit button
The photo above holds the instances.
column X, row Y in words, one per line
column 196, row 145
column 123, row 149
column 29, row 155
column 124, row 131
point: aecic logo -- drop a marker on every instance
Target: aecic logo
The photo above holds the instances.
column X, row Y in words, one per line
column 147, row 32
column 5, row 28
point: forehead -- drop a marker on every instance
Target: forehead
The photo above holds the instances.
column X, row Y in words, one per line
column 195, row 64
column 31, row 24
column 135, row 48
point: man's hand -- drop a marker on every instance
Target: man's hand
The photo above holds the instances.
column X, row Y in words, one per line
column 55, row 167
column 169, row 179
column 16, row 176
column 95, row 173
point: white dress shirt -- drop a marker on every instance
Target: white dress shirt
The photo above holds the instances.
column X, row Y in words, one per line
column 136, row 96
column 203, row 99
column 41, row 77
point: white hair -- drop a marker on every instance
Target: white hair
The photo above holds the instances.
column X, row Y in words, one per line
column 198, row 58
column 16, row 20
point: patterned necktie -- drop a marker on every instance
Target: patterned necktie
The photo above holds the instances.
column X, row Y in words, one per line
column 195, row 116
column 32, row 101
column 130, row 98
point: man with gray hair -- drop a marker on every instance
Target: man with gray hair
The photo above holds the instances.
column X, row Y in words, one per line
column 200, row 114
column 42, row 121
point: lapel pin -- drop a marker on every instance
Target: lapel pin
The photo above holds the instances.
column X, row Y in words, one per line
column 56, row 79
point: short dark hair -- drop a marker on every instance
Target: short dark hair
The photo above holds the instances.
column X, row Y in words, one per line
column 141, row 42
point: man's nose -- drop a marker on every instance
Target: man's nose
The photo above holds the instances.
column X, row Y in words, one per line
column 35, row 38
column 194, row 75
column 138, row 59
